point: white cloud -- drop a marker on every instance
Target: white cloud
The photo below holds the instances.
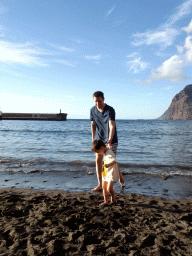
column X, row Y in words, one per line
column 137, row 65
column 19, row 53
column 188, row 29
column 166, row 34
column 188, row 46
column 77, row 40
column 180, row 49
column 11, row 72
column 168, row 88
column 59, row 47
column 3, row 9
column 110, row 11
column 66, row 63
column 172, row 69
column 2, row 32
column 29, row 54
column 97, row 57
column 119, row 22
column 182, row 10
column 132, row 55
column 66, row 49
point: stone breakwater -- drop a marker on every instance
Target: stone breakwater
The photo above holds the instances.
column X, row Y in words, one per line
column 34, row 116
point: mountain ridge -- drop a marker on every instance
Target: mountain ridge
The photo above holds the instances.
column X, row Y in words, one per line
column 180, row 107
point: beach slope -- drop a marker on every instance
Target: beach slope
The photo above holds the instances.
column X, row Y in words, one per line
column 62, row 223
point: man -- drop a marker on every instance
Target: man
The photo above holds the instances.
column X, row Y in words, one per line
column 102, row 119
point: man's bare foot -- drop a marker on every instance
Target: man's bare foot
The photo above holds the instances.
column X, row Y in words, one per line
column 113, row 202
column 103, row 204
column 98, row 188
column 122, row 182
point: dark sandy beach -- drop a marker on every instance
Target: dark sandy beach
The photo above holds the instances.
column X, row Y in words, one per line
column 62, row 223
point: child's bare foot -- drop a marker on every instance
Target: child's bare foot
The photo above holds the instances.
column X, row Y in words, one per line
column 98, row 188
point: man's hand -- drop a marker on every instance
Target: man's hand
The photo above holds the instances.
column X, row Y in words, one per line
column 108, row 143
column 110, row 164
column 106, row 165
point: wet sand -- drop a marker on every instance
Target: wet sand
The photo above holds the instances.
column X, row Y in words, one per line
column 62, row 223
column 172, row 187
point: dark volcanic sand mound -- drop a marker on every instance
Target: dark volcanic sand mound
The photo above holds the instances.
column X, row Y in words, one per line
column 59, row 223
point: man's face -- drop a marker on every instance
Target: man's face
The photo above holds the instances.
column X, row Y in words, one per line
column 99, row 102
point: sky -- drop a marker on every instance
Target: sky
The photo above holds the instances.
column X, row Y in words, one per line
column 55, row 54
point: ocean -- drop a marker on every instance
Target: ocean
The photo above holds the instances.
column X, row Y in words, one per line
column 155, row 156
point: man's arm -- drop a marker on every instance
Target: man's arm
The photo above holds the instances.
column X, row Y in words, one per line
column 93, row 129
column 111, row 131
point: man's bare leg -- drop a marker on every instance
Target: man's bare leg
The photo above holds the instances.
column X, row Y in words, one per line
column 121, row 179
column 99, row 166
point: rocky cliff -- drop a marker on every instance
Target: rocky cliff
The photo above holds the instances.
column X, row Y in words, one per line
column 181, row 106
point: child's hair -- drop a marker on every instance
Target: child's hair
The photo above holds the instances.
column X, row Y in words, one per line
column 97, row 144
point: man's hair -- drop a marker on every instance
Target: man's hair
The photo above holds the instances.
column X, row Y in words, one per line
column 98, row 94
column 97, row 144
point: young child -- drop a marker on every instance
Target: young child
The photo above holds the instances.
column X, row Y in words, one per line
column 110, row 172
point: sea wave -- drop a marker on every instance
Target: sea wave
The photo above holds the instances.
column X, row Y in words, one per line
column 40, row 161
column 88, row 167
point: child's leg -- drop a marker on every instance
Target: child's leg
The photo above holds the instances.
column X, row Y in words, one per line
column 111, row 191
column 105, row 192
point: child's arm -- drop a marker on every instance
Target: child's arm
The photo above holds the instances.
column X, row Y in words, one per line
column 110, row 164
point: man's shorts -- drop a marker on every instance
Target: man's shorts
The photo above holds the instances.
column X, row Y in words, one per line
column 114, row 147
